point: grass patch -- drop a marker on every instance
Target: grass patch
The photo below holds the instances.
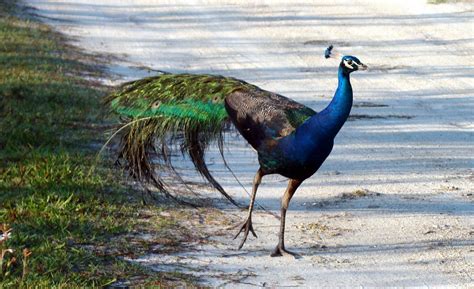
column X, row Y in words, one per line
column 62, row 215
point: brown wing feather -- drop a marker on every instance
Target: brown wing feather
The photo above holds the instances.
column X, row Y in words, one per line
column 261, row 115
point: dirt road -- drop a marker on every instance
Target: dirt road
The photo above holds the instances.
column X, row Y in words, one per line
column 393, row 205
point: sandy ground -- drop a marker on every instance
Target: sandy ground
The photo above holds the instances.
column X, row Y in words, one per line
column 393, row 205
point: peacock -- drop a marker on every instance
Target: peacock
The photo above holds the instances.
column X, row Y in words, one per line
column 188, row 112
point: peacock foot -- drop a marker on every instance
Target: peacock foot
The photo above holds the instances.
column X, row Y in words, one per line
column 280, row 251
column 246, row 228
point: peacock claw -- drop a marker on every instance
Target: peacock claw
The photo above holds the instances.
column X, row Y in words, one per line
column 246, row 227
column 280, row 251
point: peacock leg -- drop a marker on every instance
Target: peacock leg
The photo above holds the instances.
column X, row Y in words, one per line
column 247, row 226
column 285, row 201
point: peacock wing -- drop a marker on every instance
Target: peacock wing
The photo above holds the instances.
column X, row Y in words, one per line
column 261, row 115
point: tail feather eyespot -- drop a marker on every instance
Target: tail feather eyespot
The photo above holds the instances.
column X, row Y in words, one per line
column 156, row 104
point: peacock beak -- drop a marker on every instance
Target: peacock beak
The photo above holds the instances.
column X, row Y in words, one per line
column 362, row 66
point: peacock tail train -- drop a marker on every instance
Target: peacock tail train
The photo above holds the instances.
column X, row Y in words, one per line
column 162, row 111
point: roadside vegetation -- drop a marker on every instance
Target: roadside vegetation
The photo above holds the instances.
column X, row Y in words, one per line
column 63, row 224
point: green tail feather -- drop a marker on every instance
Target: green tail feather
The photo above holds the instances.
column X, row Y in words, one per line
column 160, row 108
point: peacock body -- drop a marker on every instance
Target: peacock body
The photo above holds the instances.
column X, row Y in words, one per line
column 190, row 111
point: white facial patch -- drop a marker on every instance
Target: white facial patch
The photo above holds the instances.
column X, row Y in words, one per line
column 346, row 63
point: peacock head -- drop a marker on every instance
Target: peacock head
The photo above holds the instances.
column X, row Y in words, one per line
column 351, row 63
column 348, row 63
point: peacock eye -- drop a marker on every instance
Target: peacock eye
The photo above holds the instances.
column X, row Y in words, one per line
column 349, row 62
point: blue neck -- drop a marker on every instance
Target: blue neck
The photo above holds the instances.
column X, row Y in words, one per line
column 312, row 141
column 328, row 122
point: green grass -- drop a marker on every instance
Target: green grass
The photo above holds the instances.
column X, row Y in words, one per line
column 59, row 209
